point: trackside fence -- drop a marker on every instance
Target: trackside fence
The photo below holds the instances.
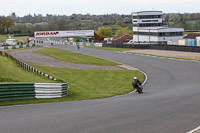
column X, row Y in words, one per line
column 27, row 67
column 22, row 91
column 17, row 46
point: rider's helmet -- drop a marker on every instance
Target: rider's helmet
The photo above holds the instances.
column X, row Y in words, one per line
column 135, row 77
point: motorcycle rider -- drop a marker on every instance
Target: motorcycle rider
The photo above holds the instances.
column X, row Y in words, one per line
column 136, row 82
column 78, row 46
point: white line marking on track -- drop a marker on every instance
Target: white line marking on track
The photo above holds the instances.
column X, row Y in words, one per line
column 195, row 130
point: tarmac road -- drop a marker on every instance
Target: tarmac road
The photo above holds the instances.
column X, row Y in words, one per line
column 170, row 103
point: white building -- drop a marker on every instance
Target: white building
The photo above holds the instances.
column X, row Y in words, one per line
column 149, row 27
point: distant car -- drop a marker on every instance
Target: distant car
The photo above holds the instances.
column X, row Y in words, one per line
column 130, row 42
column 4, row 44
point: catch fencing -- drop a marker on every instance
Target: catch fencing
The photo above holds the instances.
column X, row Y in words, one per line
column 22, row 91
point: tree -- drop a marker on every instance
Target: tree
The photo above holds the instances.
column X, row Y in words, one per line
column 8, row 22
column 124, row 31
column 120, row 23
column 104, row 31
column 2, row 29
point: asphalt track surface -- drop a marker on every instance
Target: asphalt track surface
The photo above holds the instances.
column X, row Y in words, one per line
column 170, row 103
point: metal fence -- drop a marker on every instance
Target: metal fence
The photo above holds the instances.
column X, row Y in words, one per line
column 153, row 46
column 16, row 91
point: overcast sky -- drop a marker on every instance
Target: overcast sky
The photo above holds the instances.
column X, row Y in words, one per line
column 68, row 7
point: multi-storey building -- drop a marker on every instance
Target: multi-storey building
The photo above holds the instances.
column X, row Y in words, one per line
column 150, row 27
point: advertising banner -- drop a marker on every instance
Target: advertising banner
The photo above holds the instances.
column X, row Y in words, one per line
column 73, row 33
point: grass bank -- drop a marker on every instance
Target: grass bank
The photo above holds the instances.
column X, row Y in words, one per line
column 11, row 72
column 84, row 84
column 165, row 56
column 75, row 57
column 87, row 84
column 3, row 38
column 19, row 39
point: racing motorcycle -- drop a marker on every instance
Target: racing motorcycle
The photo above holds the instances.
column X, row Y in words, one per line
column 139, row 89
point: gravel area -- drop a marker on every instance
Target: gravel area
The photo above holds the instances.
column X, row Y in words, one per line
column 27, row 56
column 186, row 55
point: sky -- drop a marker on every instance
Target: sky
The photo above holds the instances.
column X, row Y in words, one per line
column 98, row 7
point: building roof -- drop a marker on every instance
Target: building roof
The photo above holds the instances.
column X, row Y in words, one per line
column 152, row 12
column 192, row 36
column 121, row 35
column 147, row 11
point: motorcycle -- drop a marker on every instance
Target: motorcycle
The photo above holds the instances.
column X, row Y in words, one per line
column 139, row 89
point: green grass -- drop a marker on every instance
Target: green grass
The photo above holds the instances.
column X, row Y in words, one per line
column 74, row 57
column 165, row 56
column 3, row 38
column 19, row 39
column 88, row 84
column 171, row 23
column 110, row 49
column 43, row 39
column 191, row 22
column 11, row 72
column 83, row 84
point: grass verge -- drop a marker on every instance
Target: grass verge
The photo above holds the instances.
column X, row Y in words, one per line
column 74, row 57
column 87, row 84
column 11, row 72
column 3, row 38
column 165, row 56
column 19, row 39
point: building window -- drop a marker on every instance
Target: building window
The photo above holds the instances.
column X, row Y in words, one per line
column 160, row 34
column 148, row 17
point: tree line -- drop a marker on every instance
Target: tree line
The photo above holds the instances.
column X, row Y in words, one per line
column 112, row 23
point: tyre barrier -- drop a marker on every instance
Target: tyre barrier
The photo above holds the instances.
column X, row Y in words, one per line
column 22, row 91
column 26, row 66
column 50, row 90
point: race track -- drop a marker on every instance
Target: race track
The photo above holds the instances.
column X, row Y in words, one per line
column 170, row 103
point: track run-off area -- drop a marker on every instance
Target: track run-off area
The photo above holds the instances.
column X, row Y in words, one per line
column 170, row 103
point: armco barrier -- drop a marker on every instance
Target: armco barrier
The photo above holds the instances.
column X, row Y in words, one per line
column 47, row 90
column 156, row 46
column 21, row 91
column 28, row 67
column 16, row 91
